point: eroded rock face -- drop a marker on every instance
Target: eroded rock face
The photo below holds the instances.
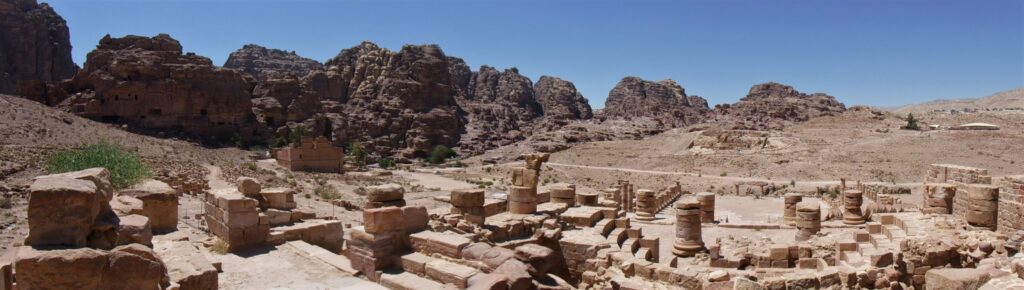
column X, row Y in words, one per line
column 34, row 45
column 148, row 84
column 560, row 99
column 500, row 108
column 664, row 101
column 264, row 63
column 773, row 106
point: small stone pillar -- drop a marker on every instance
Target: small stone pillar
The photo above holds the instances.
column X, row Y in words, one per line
column 707, row 207
column 564, row 194
column 789, row 212
column 522, row 200
column 689, row 240
column 384, row 195
column 938, row 198
column 852, row 200
column 613, row 194
column 586, row 198
column 470, row 204
column 808, row 220
column 983, row 200
column 645, row 205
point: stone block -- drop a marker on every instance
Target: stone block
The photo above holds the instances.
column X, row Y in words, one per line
column 416, row 218
column 384, row 220
column 488, row 282
column 159, row 202
column 429, row 242
column 248, row 186
column 539, row 258
column 517, row 273
column 384, row 193
column 415, row 263
column 134, row 229
column 61, row 211
column 450, row 273
column 278, row 198
column 950, row 278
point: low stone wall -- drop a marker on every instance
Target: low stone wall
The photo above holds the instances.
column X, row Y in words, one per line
column 1011, row 204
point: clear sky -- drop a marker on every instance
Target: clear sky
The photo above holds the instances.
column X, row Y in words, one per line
column 884, row 53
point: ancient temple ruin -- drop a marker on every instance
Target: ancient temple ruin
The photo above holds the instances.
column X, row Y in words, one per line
column 311, row 154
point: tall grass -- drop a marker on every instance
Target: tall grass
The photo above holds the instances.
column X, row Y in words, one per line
column 126, row 169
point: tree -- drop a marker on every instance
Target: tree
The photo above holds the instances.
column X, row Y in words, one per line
column 295, row 136
column 386, row 163
column 911, row 123
column 358, row 153
column 440, row 154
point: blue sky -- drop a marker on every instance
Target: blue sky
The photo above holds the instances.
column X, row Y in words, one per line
column 884, row 53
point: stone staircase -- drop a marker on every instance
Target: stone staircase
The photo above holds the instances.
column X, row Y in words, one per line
column 878, row 244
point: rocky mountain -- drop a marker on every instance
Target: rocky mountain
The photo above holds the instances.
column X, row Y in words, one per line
column 772, row 106
column 150, row 85
column 35, row 46
column 264, row 63
column 664, row 102
column 500, row 107
column 560, row 100
column 1007, row 100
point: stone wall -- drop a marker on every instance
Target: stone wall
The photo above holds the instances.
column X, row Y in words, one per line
column 1011, row 204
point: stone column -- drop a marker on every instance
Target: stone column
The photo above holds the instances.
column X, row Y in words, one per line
column 707, row 207
column 470, row 204
column 808, row 220
column 613, row 194
column 564, row 194
column 852, row 200
column 522, row 200
column 645, row 205
column 983, row 200
column 938, row 197
column 789, row 212
column 689, row 240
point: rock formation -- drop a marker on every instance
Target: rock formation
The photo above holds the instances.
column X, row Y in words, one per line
column 560, row 99
column 772, row 106
column 34, row 46
column 664, row 101
column 500, row 107
column 148, row 84
column 263, row 63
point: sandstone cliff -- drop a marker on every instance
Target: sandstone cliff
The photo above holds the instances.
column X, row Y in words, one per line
column 773, row 106
column 500, row 107
column 148, row 84
column 263, row 63
column 34, row 46
column 664, row 102
column 560, row 99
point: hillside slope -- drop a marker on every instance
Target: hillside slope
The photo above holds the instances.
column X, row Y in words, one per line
column 1012, row 99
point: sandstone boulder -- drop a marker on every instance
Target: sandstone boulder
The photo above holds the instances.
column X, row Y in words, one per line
column 61, row 211
column 248, row 186
column 159, row 204
column 135, row 229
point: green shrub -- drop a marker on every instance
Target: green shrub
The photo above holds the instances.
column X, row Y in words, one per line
column 911, row 123
column 296, row 134
column 440, row 154
column 125, row 167
column 358, row 153
column 326, row 192
column 386, row 163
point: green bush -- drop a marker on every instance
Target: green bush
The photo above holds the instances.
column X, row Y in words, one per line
column 125, row 167
column 386, row 163
column 296, row 134
column 358, row 153
column 326, row 192
column 911, row 123
column 440, row 154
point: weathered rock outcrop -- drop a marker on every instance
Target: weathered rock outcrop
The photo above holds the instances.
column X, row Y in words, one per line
column 500, row 107
column 34, row 46
column 664, row 101
column 560, row 99
column 772, row 106
column 390, row 101
column 148, row 84
column 263, row 63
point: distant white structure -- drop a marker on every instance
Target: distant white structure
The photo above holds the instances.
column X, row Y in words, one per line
column 975, row 126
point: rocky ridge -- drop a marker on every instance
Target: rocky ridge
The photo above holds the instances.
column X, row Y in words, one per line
column 35, row 46
column 264, row 63
column 664, row 102
column 773, row 106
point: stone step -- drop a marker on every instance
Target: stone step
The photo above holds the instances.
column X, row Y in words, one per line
column 339, row 262
column 853, row 259
column 409, row 281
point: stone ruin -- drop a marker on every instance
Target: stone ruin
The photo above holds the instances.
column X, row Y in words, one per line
column 249, row 216
column 311, row 154
column 85, row 235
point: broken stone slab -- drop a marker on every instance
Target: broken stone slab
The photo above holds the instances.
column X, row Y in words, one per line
column 126, row 267
column 187, row 266
column 951, row 278
column 409, row 281
column 248, row 186
column 450, row 273
column 429, row 242
column 278, row 198
column 135, row 229
column 539, row 258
